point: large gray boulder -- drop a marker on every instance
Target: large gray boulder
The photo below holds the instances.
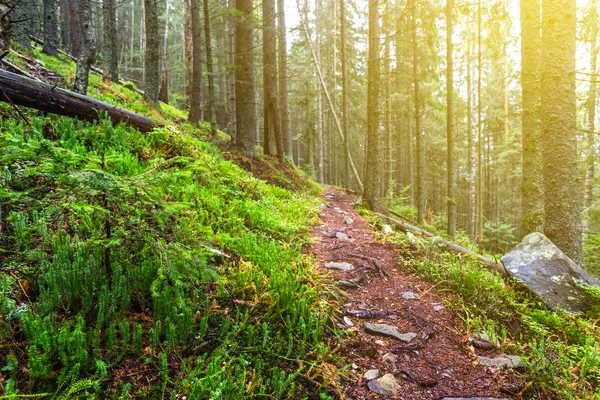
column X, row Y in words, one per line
column 549, row 273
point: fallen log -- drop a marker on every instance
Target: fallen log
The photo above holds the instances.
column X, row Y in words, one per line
column 488, row 262
column 22, row 91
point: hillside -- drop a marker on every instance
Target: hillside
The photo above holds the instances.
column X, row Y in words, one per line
column 148, row 265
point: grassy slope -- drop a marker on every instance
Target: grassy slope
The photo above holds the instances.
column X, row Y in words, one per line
column 165, row 315
column 560, row 349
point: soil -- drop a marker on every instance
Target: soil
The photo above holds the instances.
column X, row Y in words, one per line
column 440, row 362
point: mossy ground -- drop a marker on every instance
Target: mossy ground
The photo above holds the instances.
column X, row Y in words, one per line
column 111, row 285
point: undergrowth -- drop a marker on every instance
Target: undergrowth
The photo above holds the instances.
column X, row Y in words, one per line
column 560, row 349
column 148, row 266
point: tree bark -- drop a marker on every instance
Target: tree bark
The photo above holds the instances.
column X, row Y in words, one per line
column 24, row 17
column 286, row 128
column 272, row 125
column 210, row 104
column 347, row 174
column 75, row 29
column 562, row 202
column 110, row 45
column 89, row 48
column 371, row 192
column 450, row 122
column 419, row 167
column 42, row 96
column 533, row 178
column 51, row 37
column 196, row 82
column 151, row 59
column 164, row 72
column 244, row 78
column 591, row 120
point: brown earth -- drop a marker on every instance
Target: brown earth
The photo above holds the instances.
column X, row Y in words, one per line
column 440, row 362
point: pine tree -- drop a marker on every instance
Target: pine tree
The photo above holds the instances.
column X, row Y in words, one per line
column 562, row 185
column 89, row 47
column 51, row 38
column 151, row 57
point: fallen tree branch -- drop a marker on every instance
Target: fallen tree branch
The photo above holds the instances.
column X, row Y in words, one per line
column 22, row 91
column 488, row 262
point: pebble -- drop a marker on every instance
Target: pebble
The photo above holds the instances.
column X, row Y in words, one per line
column 342, row 266
column 388, row 330
column 341, row 236
column 371, row 374
column 348, row 321
column 348, row 220
column 387, row 230
column 410, row 296
column 387, row 385
column 503, row 361
column 438, row 308
column 473, row 398
column 390, row 358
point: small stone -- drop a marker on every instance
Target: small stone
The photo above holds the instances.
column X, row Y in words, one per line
column 390, row 358
column 354, row 366
column 387, row 385
column 341, row 236
column 371, row 374
column 388, row 330
column 348, row 220
column 387, row 230
column 438, row 308
column 503, row 361
column 473, row 398
column 379, row 342
column 342, row 266
column 322, row 206
column 348, row 321
column 410, row 296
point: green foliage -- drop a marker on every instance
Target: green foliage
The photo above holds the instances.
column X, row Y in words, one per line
column 560, row 349
column 116, row 232
column 498, row 237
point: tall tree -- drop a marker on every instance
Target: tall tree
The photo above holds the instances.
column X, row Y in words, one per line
column 89, row 47
column 163, row 95
column 419, row 168
column 244, row 78
column 51, row 36
column 24, row 18
column 286, row 129
column 196, row 78
column 591, row 117
column 319, row 144
column 272, row 125
column 346, row 173
column 111, row 45
column 210, row 104
column 151, row 58
column 533, row 179
column 479, row 131
column 76, row 45
column 372, row 184
column 562, row 203
column 450, row 121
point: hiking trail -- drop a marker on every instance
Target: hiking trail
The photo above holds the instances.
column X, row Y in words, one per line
column 434, row 360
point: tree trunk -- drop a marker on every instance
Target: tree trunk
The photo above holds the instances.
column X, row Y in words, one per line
column 110, row 45
column 89, row 48
column 24, row 17
column 272, row 126
column 164, row 73
column 471, row 152
column 196, row 81
column 151, row 59
column 479, row 135
column 347, row 175
column 51, row 38
column 75, row 27
column 320, row 143
column 244, row 78
column 562, row 202
column 533, row 179
column 286, row 128
column 231, row 128
column 372, row 184
column 450, row 122
column 591, row 119
column 419, row 167
column 210, row 104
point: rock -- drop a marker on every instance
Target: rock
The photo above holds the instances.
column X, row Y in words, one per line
column 387, row 230
column 387, row 385
column 371, row 374
column 348, row 220
column 354, row 366
column 390, row 358
column 390, row 331
column 341, row 236
column 438, row 308
column 410, row 296
column 473, row 398
column 322, row 206
column 342, row 266
column 379, row 342
column 503, row 361
column 538, row 264
column 348, row 321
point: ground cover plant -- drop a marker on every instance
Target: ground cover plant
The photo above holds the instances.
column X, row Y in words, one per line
column 150, row 266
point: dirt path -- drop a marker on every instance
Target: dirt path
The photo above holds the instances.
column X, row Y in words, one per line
column 436, row 364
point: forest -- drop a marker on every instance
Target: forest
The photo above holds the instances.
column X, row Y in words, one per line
column 299, row 199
